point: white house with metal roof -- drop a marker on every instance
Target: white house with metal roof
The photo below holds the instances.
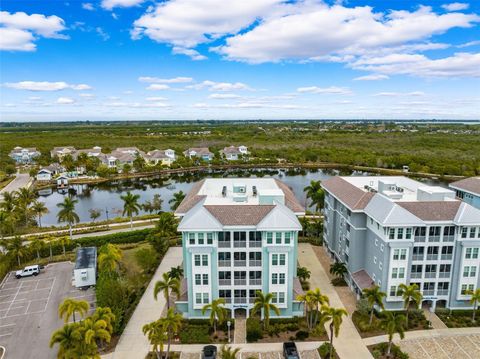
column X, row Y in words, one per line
column 394, row 230
column 239, row 237
column 468, row 190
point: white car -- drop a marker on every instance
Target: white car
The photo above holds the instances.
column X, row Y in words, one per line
column 28, row 271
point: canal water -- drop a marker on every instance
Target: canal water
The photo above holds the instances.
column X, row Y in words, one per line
column 106, row 196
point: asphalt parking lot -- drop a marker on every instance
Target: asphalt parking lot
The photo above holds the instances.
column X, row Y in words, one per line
column 29, row 310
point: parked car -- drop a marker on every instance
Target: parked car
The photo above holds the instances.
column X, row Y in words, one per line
column 290, row 351
column 209, row 352
column 28, row 271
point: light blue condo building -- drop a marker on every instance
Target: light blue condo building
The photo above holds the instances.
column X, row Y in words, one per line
column 239, row 237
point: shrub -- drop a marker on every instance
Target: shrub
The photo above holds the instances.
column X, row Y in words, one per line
column 363, row 307
column 195, row 334
column 254, row 330
column 301, row 335
column 381, row 349
column 147, row 259
column 339, row 282
column 324, row 350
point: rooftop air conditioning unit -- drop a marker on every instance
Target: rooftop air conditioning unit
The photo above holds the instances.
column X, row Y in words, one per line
column 224, row 191
column 254, row 188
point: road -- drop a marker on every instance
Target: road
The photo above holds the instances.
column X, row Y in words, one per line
column 21, row 180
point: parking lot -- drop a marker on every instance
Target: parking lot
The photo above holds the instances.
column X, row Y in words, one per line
column 29, row 310
column 306, row 354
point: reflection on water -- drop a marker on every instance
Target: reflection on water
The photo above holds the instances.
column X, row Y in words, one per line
column 106, row 196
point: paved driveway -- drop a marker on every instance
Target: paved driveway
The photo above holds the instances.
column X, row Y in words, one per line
column 21, row 180
column 28, row 310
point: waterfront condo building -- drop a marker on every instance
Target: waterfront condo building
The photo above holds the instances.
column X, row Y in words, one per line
column 394, row 230
column 239, row 236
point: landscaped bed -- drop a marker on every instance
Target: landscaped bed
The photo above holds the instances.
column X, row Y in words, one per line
column 379, row 352
column 200, row 331
column 458, row 318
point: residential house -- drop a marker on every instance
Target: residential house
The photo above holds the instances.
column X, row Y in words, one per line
column 122, row 156
column 233, row 153
column 24, row 155
column 61, row 152
column 44, row 175
column 199, row 152
column 468, row 190
column 239, row 237
column 164, row 157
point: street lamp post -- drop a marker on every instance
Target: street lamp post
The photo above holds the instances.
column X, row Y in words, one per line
column 229, row 323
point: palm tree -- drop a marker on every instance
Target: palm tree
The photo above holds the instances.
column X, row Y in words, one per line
column 25, row 197
column 67, row 213
column 218, row 312
column 317, row 300
column 303, row 273
column 16, row 248
column 263, row 303
column 109, row 257
column 316, row 194
column 374, row 297
column 155, row 333
column 176, row 272
column 410, row 294
column 95, row 329
column 304, row 222
column 39, row 209
column 67, row 338
column 70, row 306
column 166, row 225
column 105, row 314
column 64, row 241
column 130, row 205
column 9, row 201
column 228, row 352
column 167, row 285
column 312, row 189
column 474, row 300
column 335, row 316
column 171, row 324
column 37, row 245
column 176, row 200
column 307, row 301
column 393, row 323
column 338, row 269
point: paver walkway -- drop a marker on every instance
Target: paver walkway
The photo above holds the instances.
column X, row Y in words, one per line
column 434, row 319
column 240, row 333
column 132, row 343
column 349, row 344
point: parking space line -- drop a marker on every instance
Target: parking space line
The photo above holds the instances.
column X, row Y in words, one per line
column 7, row 325
column 18, row 290
column 6, row 335
column 50, row 293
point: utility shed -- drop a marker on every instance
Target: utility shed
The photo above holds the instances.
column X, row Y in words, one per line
column 85, row 271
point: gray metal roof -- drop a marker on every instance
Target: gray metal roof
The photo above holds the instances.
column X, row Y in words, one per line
column 86, row 258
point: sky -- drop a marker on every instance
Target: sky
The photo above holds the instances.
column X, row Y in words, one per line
column 239, row 59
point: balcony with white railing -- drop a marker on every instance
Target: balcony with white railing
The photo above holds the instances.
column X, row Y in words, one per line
column 224, row 281
column 239, row 263
column 418, row 257
column 428, row 292
column 448, row 238
column 446, row 257
column 430, row 275
column 253, row 244
column 224, row 263
column 255, row 263
column 432, row 257
column 442, row 292
column 255, row 282
column 224, row 244
column 416, row 275
column 240, row 282
column 420, row 238
column 444, row 274
column 240, row 300
column 240, row 244
column 227, row 300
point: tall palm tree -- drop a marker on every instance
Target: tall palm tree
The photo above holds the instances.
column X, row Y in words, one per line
column 304, row 222
column 316, row 194
column 308, row 305
column 374, row 297
column 176, row 272
column 475, row 299
column 67, row 337
column 109, row 257
column 167, row 225
column 218, row 312
column 167, row 285
column 317, row 300
column 172, row 323
column 176, row 200
column 228, row 352
column 263, row 303
column 16, row 248
column 37, row 245
column 70, row 306
column 67, row 213
column 64, row 242
column 335, row 316
column 338, row 269
column 25, row 197
column 410, row 294
column 39, row 209
column 393, row 323
column 9, row 201
column 130, row 206
column 155, row 333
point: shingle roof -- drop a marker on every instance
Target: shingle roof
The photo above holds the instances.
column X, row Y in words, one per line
column 432, row 210
column 243, row 215
column 199, row 151
column 352, row 196
column 290, row 199
column 471, row 184
column 191, row 199
column 231, row 150
column 362, row 279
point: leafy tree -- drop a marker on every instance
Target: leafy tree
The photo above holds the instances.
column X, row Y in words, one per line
column 227, row 352
column 475, row 298
column 9, row 202
column 153, row 206
column 37, row 244
column 338, row 269
column 172, row 323
column 146, row 258
column 139, row 163
column 410, row 294
column 335, row 316
column 94, row 213
column 156, row 335
column 316, row 300
column 70, row 306
column 167, row 286
column 218, row 312
column 67, row 338
column 167, row 225
column 176, row 200
column 25, row 197
column 39, row 209
column 95, row 329
column 176, row 272
column 126, row 169
column 108, row 258
column 263, row 303
column 130, row 205
column 64, row 242
column 15, row 248
column 303, row 273
column 374, row 297
column 67, row 213
column 315, row 193
column 392, row 323
column 105, row 314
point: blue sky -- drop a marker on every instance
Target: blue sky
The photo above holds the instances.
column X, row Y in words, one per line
column 248, row 59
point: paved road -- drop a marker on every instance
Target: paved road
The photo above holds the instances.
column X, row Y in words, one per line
column 21, row 180
column 349, row 344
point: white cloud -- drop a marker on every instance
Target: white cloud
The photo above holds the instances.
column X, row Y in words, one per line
column 193, row 54
column 45, row 86
column 110, row 4
column 468, row 44
column 223, row 96
column 372, row 77
column 88, row 6
column 19, row 31
column 65, row 101
column 102, row 33
column 158, row 87
column 246, row 105
column 219, row 86
column 156, row 99
column 397, row 94
column 136, row 105
column 456, row 6
column 325, row 90
column 87, row 96
column 174, row 80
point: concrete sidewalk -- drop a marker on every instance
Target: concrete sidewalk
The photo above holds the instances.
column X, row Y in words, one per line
column 349, row 344
column 133, row 344
column 21, row 180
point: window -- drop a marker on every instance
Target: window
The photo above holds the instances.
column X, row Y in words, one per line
column 287, row 237
column 278, row 238
column 394, row 272
column 282, row 259
column 281, row 297
column 464, row 232
column 391, row 234
column 401, row 272
column 274, row 297
column 281, row 279
column 400, row 233
column 274, row 259
column 274, row 278
column 191, row 238
column 200, row 238
column 466, row 288
column 396, row 254
column 197, row 259
column 205, row 298
column 469, row 271
column 269, row 237
column 403, row 254
column 449, row 231
column 198, row 279
column 393, row 291
column 434, row 231
column 209, row 238
column 198, row 298
column 408, row 233
column 204, row 260
column 205, row 279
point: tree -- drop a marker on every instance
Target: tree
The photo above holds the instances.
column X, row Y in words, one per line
column 39, row 209
column 304, row 222
column 64, row 242
column 130, row 205
column 218, row 312
column 316, row 300
column 108, row 258
column 67, row 338
column 176, row 272
column 8, row 203
column 167, row 285
column 105, row 314
column 228, row 352
column 335, row 316
column 147, row 259
column 374, row 297
column 167, row 225
column 16, row 248
column 155, row 333
column 315, row 193
column 474, row 300
column 126, row 169
column 95, row 329
column 70, row 306
column 94, row 213
column 37, row 244
column 392, row 323
column 171, row 324
column 303, row 273
column 25, row 197
column 67, row 213
column 307, row 302
column 153, row 206
column 410, row 294
column 338, row 269
column 176, row 200
column 263, row 303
